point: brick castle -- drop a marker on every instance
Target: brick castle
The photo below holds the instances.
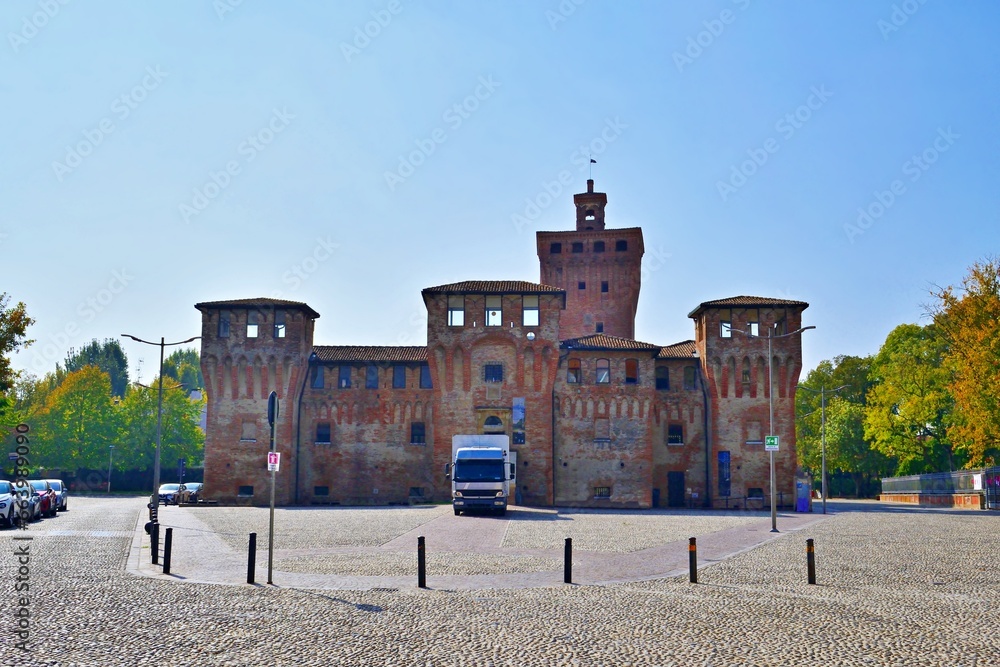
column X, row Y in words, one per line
column 597, row 418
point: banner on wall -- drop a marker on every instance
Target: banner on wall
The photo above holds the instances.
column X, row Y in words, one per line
column 517, row 411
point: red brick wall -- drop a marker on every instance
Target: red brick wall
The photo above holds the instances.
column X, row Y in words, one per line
column 685, row 407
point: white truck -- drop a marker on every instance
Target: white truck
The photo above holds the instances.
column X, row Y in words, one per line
column 481, row 473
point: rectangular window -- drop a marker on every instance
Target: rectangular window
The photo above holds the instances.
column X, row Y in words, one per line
column 344, row 377
column 323, row 433
column 416, row 492
column 689, row 378
column 725, row 323
column 417, row 434
column 631, row 371
column 581, row 285
column 399, row 377
column 224, row 318
column 371, row 377
column 604, row 286
column 621, row 246
column 675, row 434
column 600, row 327
column 248, row 431
column 493, row 373
column 577, row 247
column 245, row 492
column 662, row 377
column 317, row 377
column 573, row 371
column 252, row 324
column 425, row 377
column 555, row 248
column 602, row 491
column 753, row 322
column 321, row 490
column 598, row 246
column 603, row 371
column 529, row 309
column 494, row 312
column 602, row 430
column 456, row 311
column 279, row 324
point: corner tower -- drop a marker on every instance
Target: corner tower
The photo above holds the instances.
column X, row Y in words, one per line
column 599, row 268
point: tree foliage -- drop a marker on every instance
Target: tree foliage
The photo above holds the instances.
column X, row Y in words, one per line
column 109, row 356
column 909, row 406
column 14, row 323
column 78, row 422
column 969, row 319
column 184, row 366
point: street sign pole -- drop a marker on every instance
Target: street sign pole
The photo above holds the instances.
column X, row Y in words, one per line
column 272, row 417
column 771, row 445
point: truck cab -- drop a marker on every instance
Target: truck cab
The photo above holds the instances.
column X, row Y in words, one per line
column 481, row 473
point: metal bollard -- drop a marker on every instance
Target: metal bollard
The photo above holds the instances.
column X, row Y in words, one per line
column 252, row 558
column 568, row 561
column 693, row 559
column 168, row 543
column 811, row 560
column 154, row 542
column 421, row 563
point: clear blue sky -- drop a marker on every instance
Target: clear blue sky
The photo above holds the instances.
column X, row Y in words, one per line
column 116, row 113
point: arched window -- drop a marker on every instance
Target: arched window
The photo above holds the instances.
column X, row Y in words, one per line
column 492, row 424
column 603, row 371
column 573, row 371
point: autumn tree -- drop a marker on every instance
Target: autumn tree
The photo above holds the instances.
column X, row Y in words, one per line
column 968, row 318
column 909, row 407
column 14, row 323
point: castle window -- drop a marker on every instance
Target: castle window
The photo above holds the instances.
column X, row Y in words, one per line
column 529, row 309
column 725, row 323
column 621, row 246
column 603, row 371
column 248, row 431
column 600, row 327
column 398, row 377
column 279, row 324
column 573, row 371
column 581, row 285
column 753, row 323
column 224, row 317
column 371, row 377
column 598, row 246
column 417, row 434
column 675, row 434
column 493, row 373
column 494, row 312
column 555, row 248
column 662, row 377
column 344, row 377
column 245, row 492
column 689, row 381
column 425, row 377
column 602, row 430
column 252, row 325
column 321, row 490
column 317, row 377
column 780, row 323
column 631, row 371
column 602, row 492
column 577, row 247
column 604, row 286
column 493, row 424
column 323, row 433
column 456, row 311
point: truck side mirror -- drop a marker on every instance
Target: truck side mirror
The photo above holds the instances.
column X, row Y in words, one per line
column 447, row 471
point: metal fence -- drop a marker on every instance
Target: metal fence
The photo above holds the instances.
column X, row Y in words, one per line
column 962, row 481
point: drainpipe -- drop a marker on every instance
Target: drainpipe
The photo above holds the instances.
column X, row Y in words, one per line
column 297, row 424
column 708, row 446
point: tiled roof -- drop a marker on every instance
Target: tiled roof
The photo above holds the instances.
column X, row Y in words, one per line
column 495, row 287
column 372, row 353
column 261, row 301
column 683, row 350
column 605, row 342
column 747, row 301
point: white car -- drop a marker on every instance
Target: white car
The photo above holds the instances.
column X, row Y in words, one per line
column 62, row 493
column 8, row 513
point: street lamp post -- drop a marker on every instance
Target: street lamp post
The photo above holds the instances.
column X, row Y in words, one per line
column 155, row 498
column 822, row 406
column 111, row 451
column 770, row 408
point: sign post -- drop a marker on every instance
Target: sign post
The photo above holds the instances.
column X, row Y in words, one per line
column 771, row 445
column 273, row 461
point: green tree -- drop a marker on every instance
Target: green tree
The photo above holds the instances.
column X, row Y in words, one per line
column 968, row 316
column 184, row 366
column 78, row 423
column 109, row 356
column 14, row 323
column 181, row 436
column 909, row 407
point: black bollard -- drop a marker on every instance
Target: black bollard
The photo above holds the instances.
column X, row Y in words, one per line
column 421, row 563
column 811, row 561
column 154, row 543
column 693, row 559
column 168, row 543
column 252, row 558
column 568, row 561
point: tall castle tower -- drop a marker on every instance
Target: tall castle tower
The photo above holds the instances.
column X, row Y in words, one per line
column 599, row 268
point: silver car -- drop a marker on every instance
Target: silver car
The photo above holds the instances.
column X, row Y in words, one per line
column 62, row 493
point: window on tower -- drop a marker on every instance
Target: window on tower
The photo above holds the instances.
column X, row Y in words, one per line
column 577, row 248
column 600, row 327
column 279, row 324
column 224, row 319
column 581, row 285
column 252, row 324
column 604, row 286
column 456, row 311
column 725, row 323
column 573, row 371
column 598, row 246
column 631, row 371
column 555, row 248
column 603, row 371
column 529, row 310
column 494, row 312
column 621, row 246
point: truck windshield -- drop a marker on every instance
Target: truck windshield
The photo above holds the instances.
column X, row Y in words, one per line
column 478, row 471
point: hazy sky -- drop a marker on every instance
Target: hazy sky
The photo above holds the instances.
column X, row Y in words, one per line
column 350, row 154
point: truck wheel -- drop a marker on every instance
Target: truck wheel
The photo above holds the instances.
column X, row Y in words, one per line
column 457, row 511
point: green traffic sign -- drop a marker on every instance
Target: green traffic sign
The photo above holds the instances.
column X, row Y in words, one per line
column 770, row 443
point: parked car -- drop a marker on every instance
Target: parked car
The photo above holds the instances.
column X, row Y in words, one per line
column 48, row 504
column 24, row 493
column 168, row 493
column 8, row 512
column 194, row 491
column 62, row 493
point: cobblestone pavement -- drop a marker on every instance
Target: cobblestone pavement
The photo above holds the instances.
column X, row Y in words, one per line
column 895, row 588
